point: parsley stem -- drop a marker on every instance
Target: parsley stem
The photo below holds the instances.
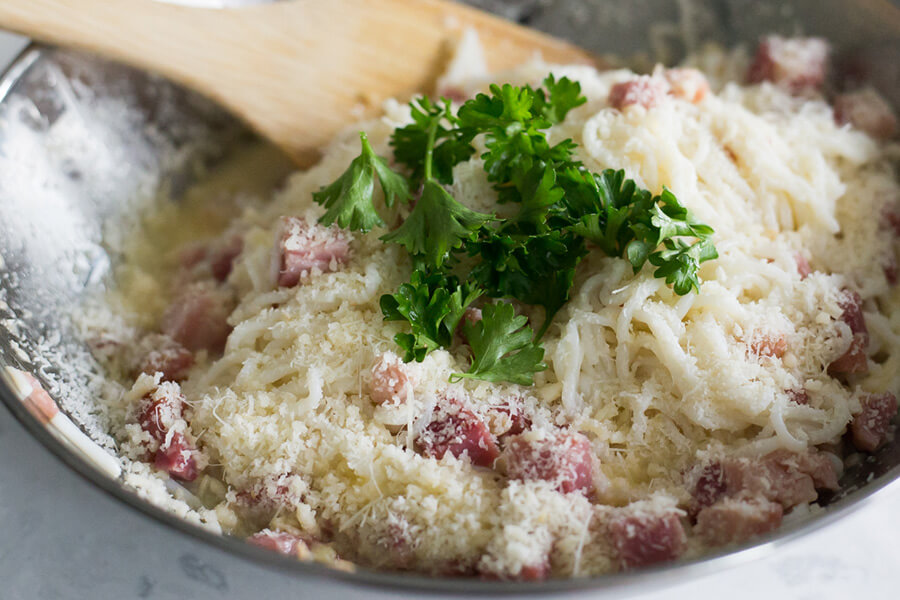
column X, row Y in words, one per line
column 540, row 332
column 429, row 148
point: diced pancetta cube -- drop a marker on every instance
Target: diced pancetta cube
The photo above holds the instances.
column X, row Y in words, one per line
column 642, row 537
column 472, row 315
column 176, row 456
column 282, row 542
column 223, row 255
column 867, row 111
column 797, row 64
column 537, row 572
column 773, row 345
column 733, row 520
column 891, row 216
column 803, row 267
column 272, row 493
column 891, row 271
column 454, row 94
column 817, row 465
column 643, row 90
column 303, row 247
column 509, row 418
column 789, row 478
column 167, row 357
column 391, row 379
column 869, row 428
column 854, row 360
column 454, row 429
column 792, row 478
column 161, row 410
column 213, row 259
column 198, row 318
column 711, row 485
column 687, row 84
column 563, row 458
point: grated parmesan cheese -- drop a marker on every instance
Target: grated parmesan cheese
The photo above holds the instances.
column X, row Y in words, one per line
column 657, row 382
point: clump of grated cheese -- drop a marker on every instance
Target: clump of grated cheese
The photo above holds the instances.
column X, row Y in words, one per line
column 655, row 380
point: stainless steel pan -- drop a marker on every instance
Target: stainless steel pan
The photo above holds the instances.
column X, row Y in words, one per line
column 81, row 139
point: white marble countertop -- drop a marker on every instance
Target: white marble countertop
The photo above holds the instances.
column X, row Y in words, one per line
column 62, row 539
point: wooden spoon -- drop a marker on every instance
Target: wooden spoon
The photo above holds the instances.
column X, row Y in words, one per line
column 297, row 72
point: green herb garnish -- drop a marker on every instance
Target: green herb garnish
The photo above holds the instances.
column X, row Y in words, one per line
column 460, row 255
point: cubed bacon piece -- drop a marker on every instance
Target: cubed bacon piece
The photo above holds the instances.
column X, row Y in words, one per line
column 223, row 255
column 176, row 456
column 643, row 90
column 773, row 345
column 854, row 360
column 537, row 572
column 891, row 216
column 510, row 418
column 891, row 271
column 198, row 318
column 687, row 84
column 282, row 542
column 869, row 428
column 472, row 315
column 797, row 64
column 454, row 94
column 215, row 259
column 303, row 247
column 272, row 493
column 563, row 458
column 789, row 478
column 867, row 111
column 454, row 429
column 167, row 357
column 161, row 410
column 711, row 486
column 642, row 537
column 734, row 520
column 803, row 267
column 391, row 379
column 817, row 465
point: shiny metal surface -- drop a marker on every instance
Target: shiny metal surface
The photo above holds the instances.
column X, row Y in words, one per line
column 59, row 196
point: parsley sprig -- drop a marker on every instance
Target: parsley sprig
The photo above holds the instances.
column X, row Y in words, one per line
column 460, row 255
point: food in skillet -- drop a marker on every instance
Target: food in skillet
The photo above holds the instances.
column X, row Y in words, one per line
column 576, row 322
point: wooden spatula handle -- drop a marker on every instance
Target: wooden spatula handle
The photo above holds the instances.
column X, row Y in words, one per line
column 296, row 71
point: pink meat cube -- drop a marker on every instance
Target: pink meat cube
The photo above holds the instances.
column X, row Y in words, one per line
column 564, row 458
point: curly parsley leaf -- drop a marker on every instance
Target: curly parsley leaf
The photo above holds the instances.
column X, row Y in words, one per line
column 564, row 95
column 679, row 262
column 433, row 304
column 433, row 141
column 534, row 269
column 436, row 225
column 349, row 198
column 502, row 347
